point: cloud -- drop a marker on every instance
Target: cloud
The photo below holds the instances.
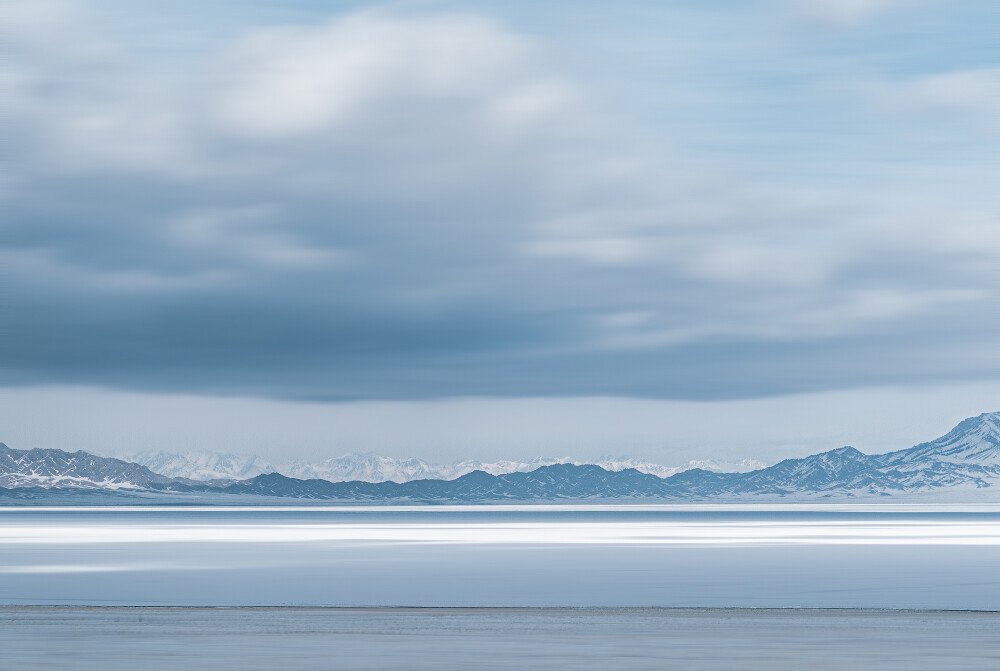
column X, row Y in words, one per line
column 598, row 251
column 242, row 233
column 290, row 82
column 965, row 95
column 388, row 204
column 842, row 12
column 763, row 265
column 278, row 99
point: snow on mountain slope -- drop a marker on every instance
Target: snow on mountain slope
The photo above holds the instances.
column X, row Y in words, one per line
column 375, row 468
column 203, row 465
column 643, row 466
column 362, row 468
column 975, row 441
column 56, row 468
column 968, row 454
column 959, row 464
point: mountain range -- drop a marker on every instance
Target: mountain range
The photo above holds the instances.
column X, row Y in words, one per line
column 965, row 463
column 376, row 468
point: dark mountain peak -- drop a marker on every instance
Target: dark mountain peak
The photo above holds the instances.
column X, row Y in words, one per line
column 695, row 471
column 475, row 477
column 270, row 477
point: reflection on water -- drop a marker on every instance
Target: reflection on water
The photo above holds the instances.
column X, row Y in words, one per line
column 716, row 556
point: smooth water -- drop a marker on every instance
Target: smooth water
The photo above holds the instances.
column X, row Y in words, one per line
column 500, row 556
column 119, row 639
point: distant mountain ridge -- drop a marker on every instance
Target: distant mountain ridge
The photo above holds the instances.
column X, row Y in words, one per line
column 967, row 459
column 376, row 468
column 202, row 465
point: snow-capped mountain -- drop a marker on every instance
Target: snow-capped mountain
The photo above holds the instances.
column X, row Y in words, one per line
column 968, row 457
column 56, row 468
column 348, row 467
column 363, row 468
column 969, row 453
column 203, row 465
column 643, row 466
column 975, row 441
column 966, row 461
column 375, row 468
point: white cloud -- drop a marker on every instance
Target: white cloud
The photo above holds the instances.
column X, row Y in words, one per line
column 764, row 266
column 939, row 107
column 597, row 251
column 968, row 90
column 299, row 81
column 966, row 94
column 364, row 80
column 532, row 105
column 873, row 307
column 842, row 12
column 967, row 235
column 791, row 317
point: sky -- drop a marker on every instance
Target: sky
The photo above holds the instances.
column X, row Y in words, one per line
column 483, row 229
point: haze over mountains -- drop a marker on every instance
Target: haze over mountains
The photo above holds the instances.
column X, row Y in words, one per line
column 962, row 465
column 375, row 468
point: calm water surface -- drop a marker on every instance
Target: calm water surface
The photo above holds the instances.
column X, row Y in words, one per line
column 113, row 639
column 499, row 556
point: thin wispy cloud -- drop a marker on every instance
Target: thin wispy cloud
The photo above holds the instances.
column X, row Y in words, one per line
column 843, row 13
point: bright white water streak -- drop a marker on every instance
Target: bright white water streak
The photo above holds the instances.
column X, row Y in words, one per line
column 569, row 555
column 665, row 533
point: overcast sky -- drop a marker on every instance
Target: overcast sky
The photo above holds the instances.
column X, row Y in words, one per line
column 553, row 213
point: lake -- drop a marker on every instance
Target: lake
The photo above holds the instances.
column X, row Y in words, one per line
column 895, row 557
column 598, row 639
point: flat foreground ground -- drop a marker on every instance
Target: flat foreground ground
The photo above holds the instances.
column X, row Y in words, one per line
column 112, row 638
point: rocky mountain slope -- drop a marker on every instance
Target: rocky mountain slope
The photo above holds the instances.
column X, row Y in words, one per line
column 57, row 468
